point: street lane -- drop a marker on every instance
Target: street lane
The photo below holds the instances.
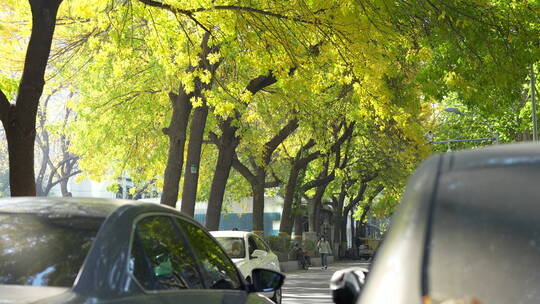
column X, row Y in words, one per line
column 312, row 286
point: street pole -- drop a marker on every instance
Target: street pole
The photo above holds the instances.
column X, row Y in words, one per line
column 533, row 95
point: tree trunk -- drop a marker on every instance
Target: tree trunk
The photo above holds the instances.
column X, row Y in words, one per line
column 19, row 120
column 298, row 226
column 178, row 129
column 317, row 204
column 227, row 148
column 67, row 173
column 286, row 224
column 258, row 202
column 177, row 137
column 64, row 188
column 353, row 236
column 42, row 139
column 21, row 161
column 43, row 144
column 191, row 173
column 258, row 180
column 343, row 235
column 339, row 219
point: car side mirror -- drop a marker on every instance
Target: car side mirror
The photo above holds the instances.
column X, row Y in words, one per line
column 257, row 253
column 347, row 284
column 266, row 280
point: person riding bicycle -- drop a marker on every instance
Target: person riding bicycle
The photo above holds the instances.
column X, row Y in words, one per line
column 301, row 256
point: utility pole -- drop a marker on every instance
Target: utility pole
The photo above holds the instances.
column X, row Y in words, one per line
column 533, row 95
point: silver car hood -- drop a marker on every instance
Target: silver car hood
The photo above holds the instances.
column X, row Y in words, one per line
column 11, row 294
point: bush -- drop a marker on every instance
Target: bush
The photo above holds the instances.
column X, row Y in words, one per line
column 310, row 247
column 279, row 245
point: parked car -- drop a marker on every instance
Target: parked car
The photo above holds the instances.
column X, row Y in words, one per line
column 248, row 251
column 103, row 251
column 467, row 231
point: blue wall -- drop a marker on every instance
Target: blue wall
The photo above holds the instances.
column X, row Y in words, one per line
column 243, row 221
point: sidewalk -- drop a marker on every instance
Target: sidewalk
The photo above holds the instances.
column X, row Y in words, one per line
column 312, row 286
column 294, row 264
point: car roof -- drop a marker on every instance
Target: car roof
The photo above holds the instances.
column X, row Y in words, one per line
column 77, row 206
column 111, row 242
column 93, row 207
column 475, row 212
column 229, row 233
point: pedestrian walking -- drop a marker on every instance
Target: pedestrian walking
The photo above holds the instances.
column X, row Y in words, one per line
column 324, row 251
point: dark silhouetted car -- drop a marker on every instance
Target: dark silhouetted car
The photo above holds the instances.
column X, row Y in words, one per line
column 97, row 251
column 467, row 232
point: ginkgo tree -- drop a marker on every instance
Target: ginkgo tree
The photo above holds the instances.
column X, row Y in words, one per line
column 19, row 118
column 295, row 96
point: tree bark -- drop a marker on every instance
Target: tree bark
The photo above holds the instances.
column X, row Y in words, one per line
column 19, row 119
column 315, row 202
column 229, row 142
column 353, row 234
column 198, row 124
column 177, row 132
column 191, row 173
column 286, row 215
column 177, row 137
column 227, row 147
column 343, row 233
column 258, row 204
column 42, row 139
column 317, row 205
column 64, row 189
column 298, row 226
column 339, row 219
column 257, row 180
column 43, row 143
column 297, row 165
column 369, row 204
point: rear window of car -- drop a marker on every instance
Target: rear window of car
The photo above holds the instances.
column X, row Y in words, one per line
column 485, row 237
column 234, row 246
column 44, row 250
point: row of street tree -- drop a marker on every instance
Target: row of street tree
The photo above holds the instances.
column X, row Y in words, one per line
column 216, row 100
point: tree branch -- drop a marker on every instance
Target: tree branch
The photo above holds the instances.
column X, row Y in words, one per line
column 273, row 184
column 242, row 169
column 190, row 13
column 272, row 144
column 51, row 185
column 303, row 162
column 366, row 210
column 346, row 135
column 334, row 148
column 139, row 192
column 318, row 182
column 260, row 82
column 214, row 138
column 360, row 196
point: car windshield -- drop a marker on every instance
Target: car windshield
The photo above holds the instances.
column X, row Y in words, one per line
column 234, row 246
column 44, row 250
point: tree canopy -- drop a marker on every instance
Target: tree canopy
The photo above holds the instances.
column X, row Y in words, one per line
column 316, row 99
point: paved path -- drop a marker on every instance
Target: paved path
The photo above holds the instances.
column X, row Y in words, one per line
column 312, row 286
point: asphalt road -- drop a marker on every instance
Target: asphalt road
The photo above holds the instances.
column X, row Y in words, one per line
column 312, row 286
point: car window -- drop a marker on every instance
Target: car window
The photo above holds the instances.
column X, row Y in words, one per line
column 160, row 258
column 220, row 271
column 234, row 246
column 252, row 244
column 44, row 249
column 261, row 245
